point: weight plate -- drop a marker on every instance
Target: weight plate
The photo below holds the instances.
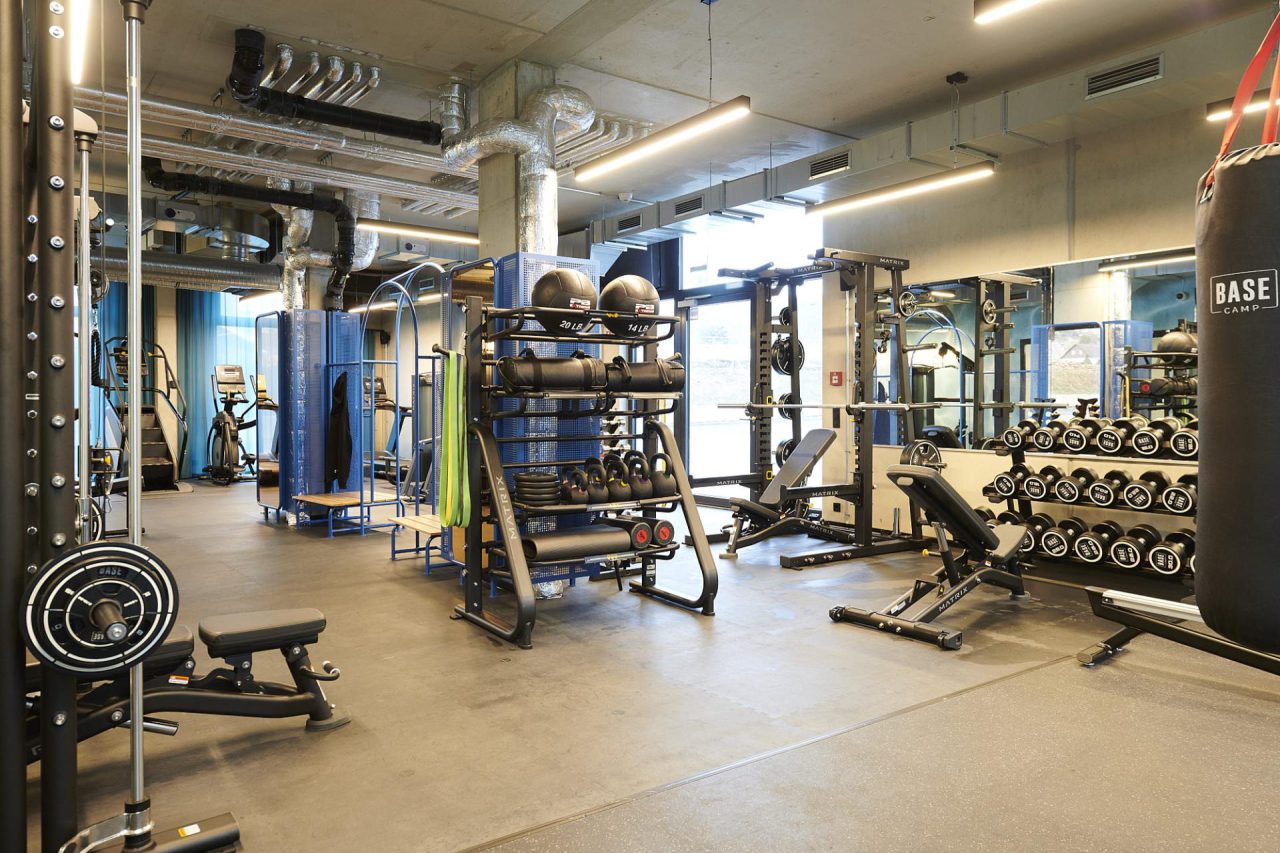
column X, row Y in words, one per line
column 1126, row 554
column 1165, row 560
column 1146, row 443
column 60, row 605
column 1110, row 441
column 1067, row 491
column 1043, row 439
column 784, row 316
column 783, row 450
column 908, row 303
column 921, row 452
column 989, row 315
column 1012, row 437
column 1177, row 499
column 1005, row 485
column 1102, row 494
column 1139, row 496
column 1089, row 548
column 1054, row 544
column 1035, row 487
column 1075, row 439
column 786, row 400
column 1185, row 443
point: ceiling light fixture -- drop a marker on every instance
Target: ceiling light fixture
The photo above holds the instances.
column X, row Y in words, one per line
column 377, row 306
column 403, row 228
column 667, row 138
column 987, row 11
column 1221, row 110
column 79, row 39
column 257, row 295
column 905, row 189
column 1177, row 256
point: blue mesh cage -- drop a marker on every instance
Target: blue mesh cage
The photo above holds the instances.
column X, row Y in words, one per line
column 515, row 277
column 303, row 404
column 346, row 352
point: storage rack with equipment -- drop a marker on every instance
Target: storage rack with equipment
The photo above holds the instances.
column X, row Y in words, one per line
column 516, row 558
column 1164, row 549
column 992, row 388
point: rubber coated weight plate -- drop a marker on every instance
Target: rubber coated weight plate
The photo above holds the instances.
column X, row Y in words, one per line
column 1165, row 560
column 921, row 452
column 780, row 356
column 1067, row 490
column 1005, row 485
column 59, row 608
column 1124, row 554
column 1139, row 496
column 908, row 303
column 784, row 316
column 1055, row 544
column 1177, row 499
column 1102, row 494
column 783, row 450
column 1185, row 443
column 786, row 400
column 1035, row 487
column 1089, row 548
column 989, row 314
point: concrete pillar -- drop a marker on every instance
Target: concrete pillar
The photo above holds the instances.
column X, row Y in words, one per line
column 501, row 95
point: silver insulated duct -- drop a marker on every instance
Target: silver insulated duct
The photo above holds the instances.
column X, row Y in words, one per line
column 185, row 271
column 299, row 256
column 532, row 138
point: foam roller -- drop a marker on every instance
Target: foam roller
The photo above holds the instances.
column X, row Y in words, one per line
column 575, row 544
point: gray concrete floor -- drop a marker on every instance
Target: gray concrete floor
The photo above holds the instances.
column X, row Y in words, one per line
column 634, row 725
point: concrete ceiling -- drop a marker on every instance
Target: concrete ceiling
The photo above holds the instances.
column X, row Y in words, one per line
column 816, row 70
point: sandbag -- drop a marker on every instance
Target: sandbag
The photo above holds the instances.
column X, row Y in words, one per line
column 529, row 372
column 1238, row 312
column 663, row 374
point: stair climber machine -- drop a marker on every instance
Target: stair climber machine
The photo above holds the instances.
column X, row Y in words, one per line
column 160, row 460
column 228, row 459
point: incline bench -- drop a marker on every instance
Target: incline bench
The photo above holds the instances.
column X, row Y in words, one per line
column 987, row 555
column 783, row 506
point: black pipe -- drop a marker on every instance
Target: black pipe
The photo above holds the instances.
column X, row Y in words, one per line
column 244, row 83
column 13, row 778
column 344, row 220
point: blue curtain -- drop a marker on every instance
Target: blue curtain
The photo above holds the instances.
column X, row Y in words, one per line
column 213, row 328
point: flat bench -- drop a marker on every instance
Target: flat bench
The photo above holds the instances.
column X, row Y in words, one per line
column 332, row 503
column 428, row 524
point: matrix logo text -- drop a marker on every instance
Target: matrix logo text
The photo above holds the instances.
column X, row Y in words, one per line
column 1244, row 292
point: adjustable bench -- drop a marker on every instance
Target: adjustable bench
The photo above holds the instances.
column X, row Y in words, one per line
column 170, row 683
column 783, row 506
column 986, row 555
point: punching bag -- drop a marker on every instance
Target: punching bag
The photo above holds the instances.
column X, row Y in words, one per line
column 1238, row 313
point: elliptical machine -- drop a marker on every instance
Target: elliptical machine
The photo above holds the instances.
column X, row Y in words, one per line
column 228, row 459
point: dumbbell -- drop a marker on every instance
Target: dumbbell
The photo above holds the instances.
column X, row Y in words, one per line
column 1143, row 492
column 988, row 517
column 1092, row 545
column 1111, row 438
column 1181, row 496
column 1077, row 437
column 1047, row 437
column 1072, row 488
column 1107, row 490
column 1038, row 485
column 1174, row 554
column 1010, row 516
column 1185, row 442
column 1007, row 483
column 1017, row 436
column 1153, row 437
column 664, row 532
column 1036, row 526
column 1130, row 550
column 1191, row 564
column 1058, row 541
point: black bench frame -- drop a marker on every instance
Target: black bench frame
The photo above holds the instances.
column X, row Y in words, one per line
column 172, row 686
column 984, row 555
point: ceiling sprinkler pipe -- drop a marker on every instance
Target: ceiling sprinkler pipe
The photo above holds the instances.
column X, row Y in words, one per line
column 245, row 84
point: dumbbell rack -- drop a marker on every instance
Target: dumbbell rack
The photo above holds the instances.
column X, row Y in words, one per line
column 1022, row 504
column 494, row 561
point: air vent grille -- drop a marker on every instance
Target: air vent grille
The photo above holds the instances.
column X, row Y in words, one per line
column 1125, row 77
column 689, row 205
column 626, row 224
column 828, row 165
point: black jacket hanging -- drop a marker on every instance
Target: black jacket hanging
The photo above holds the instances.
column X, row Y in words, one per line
column 337, row 447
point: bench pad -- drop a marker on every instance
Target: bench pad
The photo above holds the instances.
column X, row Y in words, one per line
column 260, row 630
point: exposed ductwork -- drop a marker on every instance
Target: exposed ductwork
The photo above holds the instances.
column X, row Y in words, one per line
column 532, row 138
column 344, row 220
column 453, row 109
column 245, row 84
column 274, row 167
column 166, row 270
column 299, row 256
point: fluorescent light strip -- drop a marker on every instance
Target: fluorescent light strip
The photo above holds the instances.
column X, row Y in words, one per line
column 403, row 228
column 905, row 189
column 261, row 294
column 667, row 138
column 79, row 40
column 1118, row 264
column 1221, row 110
column 988, row 11
column 392, row 303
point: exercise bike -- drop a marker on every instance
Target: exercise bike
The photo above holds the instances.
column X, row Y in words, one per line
column 228, row 459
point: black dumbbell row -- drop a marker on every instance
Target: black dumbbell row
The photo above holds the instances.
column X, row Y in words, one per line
column 1132, row 436
column 1150, row 490
column 1137, row 548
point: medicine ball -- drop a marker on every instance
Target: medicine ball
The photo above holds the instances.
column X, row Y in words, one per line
column 1177, row 341
column 634, row 299
column 564, row 289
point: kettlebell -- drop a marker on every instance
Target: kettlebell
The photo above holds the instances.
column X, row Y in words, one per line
column 641, row 485
column 618, row 478
column 664, row 481
column 574, row 486
column 597, row 483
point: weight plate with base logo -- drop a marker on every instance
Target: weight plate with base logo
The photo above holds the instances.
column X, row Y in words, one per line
column 780, row 355
column 1072, row 488
column 1181, row 496
column 1016, row 436
column 1106, row 491
column 1092, row 545
column 1185, row 443
column 1174, row 553
column 783, row 450
column 99, row 608
column 1058, row 541
column 1130, row 550
column 1144, row 492
column 922, row 452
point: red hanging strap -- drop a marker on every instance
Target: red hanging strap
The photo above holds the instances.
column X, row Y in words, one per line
column 1244, row 94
